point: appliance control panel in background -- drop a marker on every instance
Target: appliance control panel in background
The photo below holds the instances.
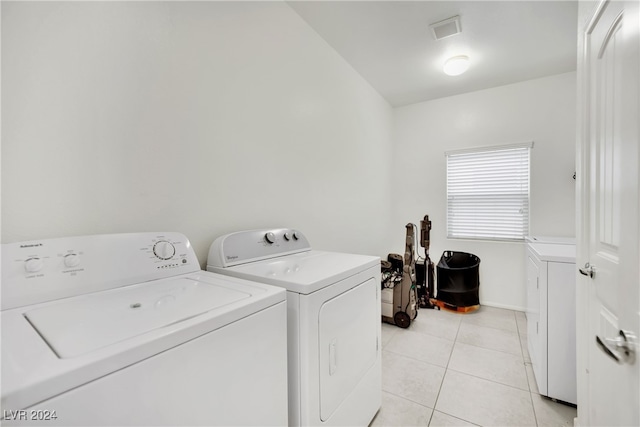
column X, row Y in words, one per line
column 49, row 269
column 247, row 246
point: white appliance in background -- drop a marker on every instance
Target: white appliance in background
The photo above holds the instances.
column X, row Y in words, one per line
column 333, row 303
column 551, row 315
column 126, row 329
column 551, row 239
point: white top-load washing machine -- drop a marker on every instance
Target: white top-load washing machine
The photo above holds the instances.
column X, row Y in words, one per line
column 126, row 329
column 333, row 303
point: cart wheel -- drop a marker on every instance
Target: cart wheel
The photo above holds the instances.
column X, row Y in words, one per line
column 402, row 319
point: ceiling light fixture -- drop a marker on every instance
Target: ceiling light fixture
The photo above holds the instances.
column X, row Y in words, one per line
column 456, row 65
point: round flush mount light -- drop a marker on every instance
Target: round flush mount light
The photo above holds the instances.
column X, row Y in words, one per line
column 456, row 65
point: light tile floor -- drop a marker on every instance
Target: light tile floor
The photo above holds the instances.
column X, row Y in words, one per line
column 450, row 369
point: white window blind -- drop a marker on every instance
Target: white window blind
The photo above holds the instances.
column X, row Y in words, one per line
column 488, row 193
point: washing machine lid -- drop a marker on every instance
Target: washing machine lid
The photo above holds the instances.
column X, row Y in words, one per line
column 304, row 272
column 93, row 321
column 52, row 347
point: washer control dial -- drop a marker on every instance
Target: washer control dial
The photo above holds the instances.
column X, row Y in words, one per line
column 71, row 260
column 33, row 265
column 164, row 250
column 295, row 235
column 270, row 237
column 287, row 236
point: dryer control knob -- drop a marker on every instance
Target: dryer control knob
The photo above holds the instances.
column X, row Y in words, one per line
column 295, row 235
column 164, row 249
column 287, row 236
column 71, row 260
column 270, row 237
column 33, row 265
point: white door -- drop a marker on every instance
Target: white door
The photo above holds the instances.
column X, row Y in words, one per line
column 608, row 288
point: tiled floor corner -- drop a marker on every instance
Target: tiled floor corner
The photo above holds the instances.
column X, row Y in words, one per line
column 450, row 369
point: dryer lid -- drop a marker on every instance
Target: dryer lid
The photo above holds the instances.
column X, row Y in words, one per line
column 81, row 325
column 304, row 272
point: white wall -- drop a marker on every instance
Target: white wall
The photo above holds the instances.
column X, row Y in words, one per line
column 541, row 110
column 199, row 117
column 210, row 117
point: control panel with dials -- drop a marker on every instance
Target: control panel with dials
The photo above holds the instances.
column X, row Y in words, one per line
column 49, row 269
column 248, row 246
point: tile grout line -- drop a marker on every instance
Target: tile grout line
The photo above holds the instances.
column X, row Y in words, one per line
column 414, row 358
column 503, row 330
column 491, row 349
column 529, row 393
column 533, row 408
column 430, row 334
column 433, row 410
column 445, row 374
column 407, row 399
column 458, row 418
column 417, row 360
column 508, row 331
column 524, row 363
column 446, row 369
column 492, row 381
column 528, row 389
column 518, row 333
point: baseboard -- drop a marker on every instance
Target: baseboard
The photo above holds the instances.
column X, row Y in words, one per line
column 505, row 306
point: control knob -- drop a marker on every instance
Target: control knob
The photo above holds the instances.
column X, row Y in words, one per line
column 164, row 250
column 33, row 265
column 71, row 260
column 295, row 235
column 270, row 237
column 287, row 236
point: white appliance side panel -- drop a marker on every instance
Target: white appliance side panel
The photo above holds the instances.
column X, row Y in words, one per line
column 562, row 332
column 533, row 311
column 236, row 375
column 293, row 354
column 537, row 319
column 533, row 296
column 347, row 343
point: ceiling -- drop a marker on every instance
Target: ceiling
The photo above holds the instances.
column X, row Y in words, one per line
column 391, row 45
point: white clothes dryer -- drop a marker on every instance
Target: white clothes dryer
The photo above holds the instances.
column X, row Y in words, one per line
column 126, row 329
column 333, row 303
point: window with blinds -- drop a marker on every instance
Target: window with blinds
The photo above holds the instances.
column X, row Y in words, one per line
column 488, row 193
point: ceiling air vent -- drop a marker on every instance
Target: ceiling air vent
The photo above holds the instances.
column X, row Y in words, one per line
column 448, row 27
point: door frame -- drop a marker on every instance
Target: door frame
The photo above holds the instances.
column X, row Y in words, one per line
column 585, row 21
